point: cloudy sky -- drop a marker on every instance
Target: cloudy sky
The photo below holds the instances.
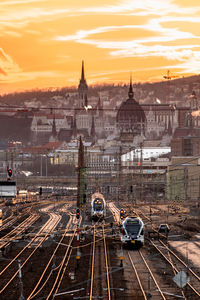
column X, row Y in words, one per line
column 42, row 42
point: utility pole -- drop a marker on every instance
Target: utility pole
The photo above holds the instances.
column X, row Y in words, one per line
column 20, row 281
column 81, row 174
column 46, row 166
column 186, row 182
column 141, row 170
column 199, row 188
column 40, row 164
column 119, row 173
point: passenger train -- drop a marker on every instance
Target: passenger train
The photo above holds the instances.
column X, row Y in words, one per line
column 98, row 206
column 132, row 232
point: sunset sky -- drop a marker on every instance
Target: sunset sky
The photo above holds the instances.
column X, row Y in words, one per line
column 42, row 42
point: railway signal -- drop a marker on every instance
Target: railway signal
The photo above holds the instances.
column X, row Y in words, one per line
column 40, row 192
column 84, row 198
column 9, row 172
column 121, row 214
column 77, row 213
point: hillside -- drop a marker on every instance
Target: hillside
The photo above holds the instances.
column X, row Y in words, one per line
column 176, row 90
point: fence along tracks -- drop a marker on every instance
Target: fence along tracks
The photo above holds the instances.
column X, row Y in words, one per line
column 100, row 283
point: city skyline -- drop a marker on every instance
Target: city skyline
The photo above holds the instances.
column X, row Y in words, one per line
column 43, row 42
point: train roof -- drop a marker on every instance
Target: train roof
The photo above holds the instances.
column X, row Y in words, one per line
column 132, row 218
column 97, row 195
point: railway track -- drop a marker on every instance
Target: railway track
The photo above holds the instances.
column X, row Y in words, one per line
column 115, row 211
column 16, row 232
column 144, row 275
column 10, row 271
column 162, row 286
column 177, row 264
column 100, row 278
column 57, row 272
column 11, row 220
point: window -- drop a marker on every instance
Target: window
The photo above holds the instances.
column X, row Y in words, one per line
column 187, row 147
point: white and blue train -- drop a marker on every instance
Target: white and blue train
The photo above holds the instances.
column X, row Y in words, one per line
column 132, row 232
column 98, row 206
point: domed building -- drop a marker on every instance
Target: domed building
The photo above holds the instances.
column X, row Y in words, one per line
column 131, row 119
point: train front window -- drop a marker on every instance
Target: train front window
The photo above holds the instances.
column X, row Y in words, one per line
column 132, row 228
column 98, row 207
column 98, row 204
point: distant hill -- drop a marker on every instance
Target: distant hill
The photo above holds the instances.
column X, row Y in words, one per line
column 180, row 88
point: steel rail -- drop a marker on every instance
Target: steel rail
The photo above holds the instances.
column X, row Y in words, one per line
column 172, row 265
column 106, row 261
column 174, row 271
column 93, row 260
column 30, row 255
column 137, row 276
column 27, row 246
column 152, row 276
column 32, row 295
column 18, row 230
column 65, row 266
column 69, row 250
column 181, row 261
column 9, row 221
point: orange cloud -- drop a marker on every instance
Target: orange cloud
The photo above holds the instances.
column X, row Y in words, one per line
column 43, row 42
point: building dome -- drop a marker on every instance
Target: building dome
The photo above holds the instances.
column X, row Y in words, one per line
column 130, row 116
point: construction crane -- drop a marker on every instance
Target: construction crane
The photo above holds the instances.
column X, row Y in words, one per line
column 169, row 76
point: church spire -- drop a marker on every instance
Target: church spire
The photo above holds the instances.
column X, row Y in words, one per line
column 54, row 132
column 82, row 87
column 54, row 136
column 74, row 128
column 86, row 101
column 92, row 132
column 83, row 72
column 130, row 92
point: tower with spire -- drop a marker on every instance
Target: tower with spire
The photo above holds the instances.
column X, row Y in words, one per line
column 82, row 87
column 54, row 136
column 130, row 92
column 92, row 132
column 74, row 128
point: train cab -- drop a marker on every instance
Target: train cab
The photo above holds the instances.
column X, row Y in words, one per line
column 132, row 232
column 98, row 206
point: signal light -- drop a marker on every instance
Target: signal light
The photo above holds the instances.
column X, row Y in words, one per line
column 84, row 198
column 40, row 192
column 121, row 214
column 9, row 172
column 77, row 213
